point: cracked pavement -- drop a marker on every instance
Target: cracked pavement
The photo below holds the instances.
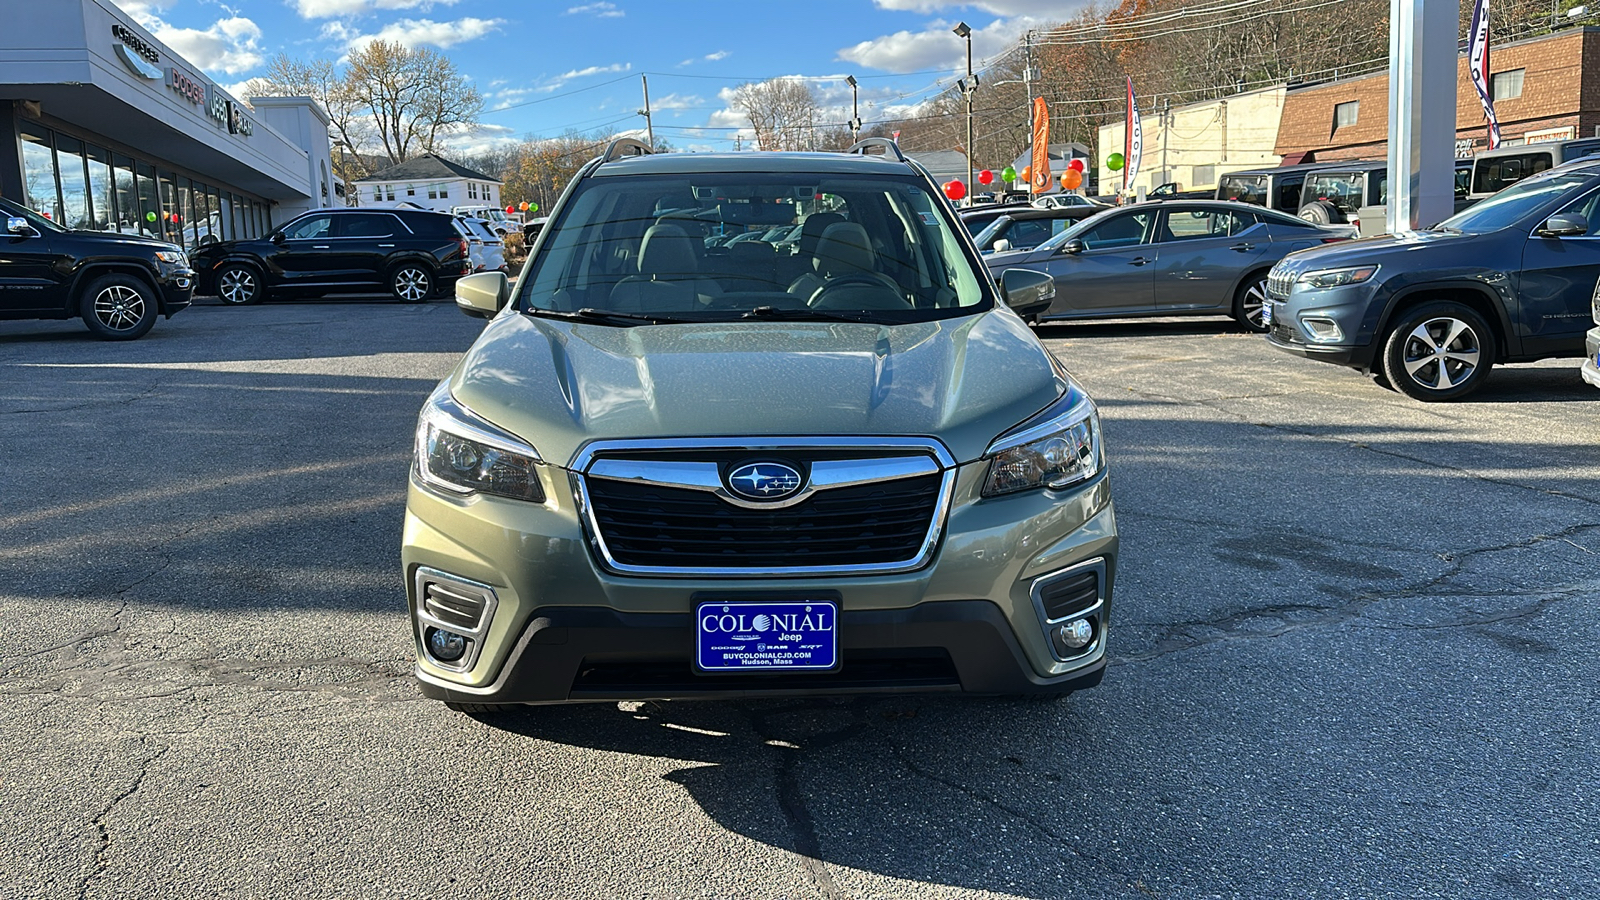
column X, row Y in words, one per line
column 1354, row 653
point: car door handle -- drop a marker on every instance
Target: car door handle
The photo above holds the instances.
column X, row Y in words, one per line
column 1243, row 248
column 320, row 246
column 1139, row 261
column 386, row 246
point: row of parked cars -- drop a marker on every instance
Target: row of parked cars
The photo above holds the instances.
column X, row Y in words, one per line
column 120, row 284
column 1512, row 277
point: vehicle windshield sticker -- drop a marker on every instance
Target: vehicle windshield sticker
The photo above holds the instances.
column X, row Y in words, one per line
column 929, row 218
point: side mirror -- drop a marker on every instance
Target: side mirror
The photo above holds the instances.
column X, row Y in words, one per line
column 1564, row 225
column 1073, row 247
column 483, row 295
column 19, row 226
column 277, row 237
column 1025, row 289
column 1000, row 246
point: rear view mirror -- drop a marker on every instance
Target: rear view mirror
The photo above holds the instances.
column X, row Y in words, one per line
column 1564, row 225
column 277, row 237
column 1072, row 247
column 19, row 226
column 1000, row 246
column 483, row 295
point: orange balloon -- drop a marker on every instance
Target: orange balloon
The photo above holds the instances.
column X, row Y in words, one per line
column 1072, row 179
column 1026, row 173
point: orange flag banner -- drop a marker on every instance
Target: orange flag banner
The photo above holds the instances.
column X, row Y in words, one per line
column 1040, row 165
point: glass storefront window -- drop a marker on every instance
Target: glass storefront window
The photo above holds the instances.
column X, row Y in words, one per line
column 127, row 196
column 74, row 183
column 215, row 219
column 188, row 235
column 170, row 214
column 39, row 174
column 149, row 204
column 102, row 196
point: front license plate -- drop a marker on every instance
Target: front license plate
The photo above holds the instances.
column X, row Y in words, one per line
column 740, row 636
column 1266, row 313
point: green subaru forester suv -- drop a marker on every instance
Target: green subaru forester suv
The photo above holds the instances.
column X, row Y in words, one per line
column 756, row 424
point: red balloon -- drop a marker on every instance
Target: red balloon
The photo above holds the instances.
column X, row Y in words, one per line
column 510, row 210
column 956, row 189
column 986, row 177
column 1076, row 165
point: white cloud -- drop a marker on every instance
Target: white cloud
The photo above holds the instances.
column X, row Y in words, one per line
column 677, row 101
column 144, row 11
column 229, row 46
column 717, row 56
column 601, row 10
column 594, row 70
column 936, row 47
column 327, row 9
column 416, row 32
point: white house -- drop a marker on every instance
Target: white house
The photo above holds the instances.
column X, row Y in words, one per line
column 431, row 182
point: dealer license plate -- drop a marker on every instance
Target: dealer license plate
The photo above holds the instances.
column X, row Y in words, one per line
column 739, row 636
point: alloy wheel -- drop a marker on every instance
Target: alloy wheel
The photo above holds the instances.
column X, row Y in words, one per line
column 1250, row 305
column 119, row 307
column 237, row 286
column 1441, row 353
column 411, row 285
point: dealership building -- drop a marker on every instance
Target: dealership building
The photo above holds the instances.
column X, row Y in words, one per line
column 106, row 128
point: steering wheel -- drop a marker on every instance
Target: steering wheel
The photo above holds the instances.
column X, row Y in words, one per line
column 819, row 297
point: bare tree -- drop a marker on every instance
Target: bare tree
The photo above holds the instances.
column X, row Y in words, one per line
column 782, row 111
column 413, row 96
column 323, row 82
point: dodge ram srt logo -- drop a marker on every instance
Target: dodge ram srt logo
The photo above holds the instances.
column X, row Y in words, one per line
column 764, row 481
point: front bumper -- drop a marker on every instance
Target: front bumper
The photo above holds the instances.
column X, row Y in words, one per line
column 566, row 629
column 1344, row 306
column 177, row 290
column 1591, row 362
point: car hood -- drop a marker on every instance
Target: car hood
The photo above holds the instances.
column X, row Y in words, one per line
column 559, row 384
column 112, row 238
column 1385, row 249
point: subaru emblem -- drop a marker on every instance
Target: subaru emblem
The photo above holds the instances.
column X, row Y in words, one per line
column 764, row 481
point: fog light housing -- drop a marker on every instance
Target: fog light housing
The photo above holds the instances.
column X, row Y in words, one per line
column 446, row 646
column 1075, row 634
column 1323, row 331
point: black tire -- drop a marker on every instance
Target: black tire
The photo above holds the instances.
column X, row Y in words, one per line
column 411, row 283
column 1247, row 303
column 240, row 285
column 1438, row 352
column 1321, row 212
column 118, row 307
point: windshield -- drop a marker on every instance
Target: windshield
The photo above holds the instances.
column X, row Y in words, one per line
column 871, row 248
column 1344, row 191
column 1512, row 204
column 1496, row 173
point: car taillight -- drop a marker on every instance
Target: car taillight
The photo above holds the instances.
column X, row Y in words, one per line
column 465, row 252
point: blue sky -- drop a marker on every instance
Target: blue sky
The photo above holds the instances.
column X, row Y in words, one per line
column 546, row 66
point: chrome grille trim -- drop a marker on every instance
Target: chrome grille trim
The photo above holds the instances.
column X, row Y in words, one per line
column 911, row 457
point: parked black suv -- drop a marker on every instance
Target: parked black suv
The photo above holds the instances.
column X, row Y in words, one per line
column 1508, row 280
column 412, row 254
column 117, row 283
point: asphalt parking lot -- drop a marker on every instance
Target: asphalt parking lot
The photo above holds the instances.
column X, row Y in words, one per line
column 1354, row 653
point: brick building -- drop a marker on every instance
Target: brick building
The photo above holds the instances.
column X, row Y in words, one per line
column 1546, row 88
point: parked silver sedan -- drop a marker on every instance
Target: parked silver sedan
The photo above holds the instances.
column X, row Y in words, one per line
column 1170, row 258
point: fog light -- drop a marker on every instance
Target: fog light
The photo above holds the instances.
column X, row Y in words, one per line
column 1075, row 634
column 1322, row 330
column 446, row 646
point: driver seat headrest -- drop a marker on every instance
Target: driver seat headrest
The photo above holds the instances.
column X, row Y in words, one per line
column 845, row 249
column 667, row 252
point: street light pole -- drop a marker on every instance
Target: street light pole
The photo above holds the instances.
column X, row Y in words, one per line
column 968, row 87
column 855, row 110
column 649, row 124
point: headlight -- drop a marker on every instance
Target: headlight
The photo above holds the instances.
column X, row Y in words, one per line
column 1330, row 278
column 172, row 256
column 460, row 453
column 1062, row 450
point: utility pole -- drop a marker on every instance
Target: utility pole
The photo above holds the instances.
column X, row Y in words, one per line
column 968, row 87
column 1166, row 128
column 855, row 110
column 649, row 125
column 1029, row 74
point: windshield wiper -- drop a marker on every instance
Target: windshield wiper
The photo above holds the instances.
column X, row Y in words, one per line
column 774, row 312
column 607, row 317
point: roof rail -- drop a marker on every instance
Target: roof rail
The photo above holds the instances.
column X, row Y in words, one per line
column 862, row 145
column 614, row 150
